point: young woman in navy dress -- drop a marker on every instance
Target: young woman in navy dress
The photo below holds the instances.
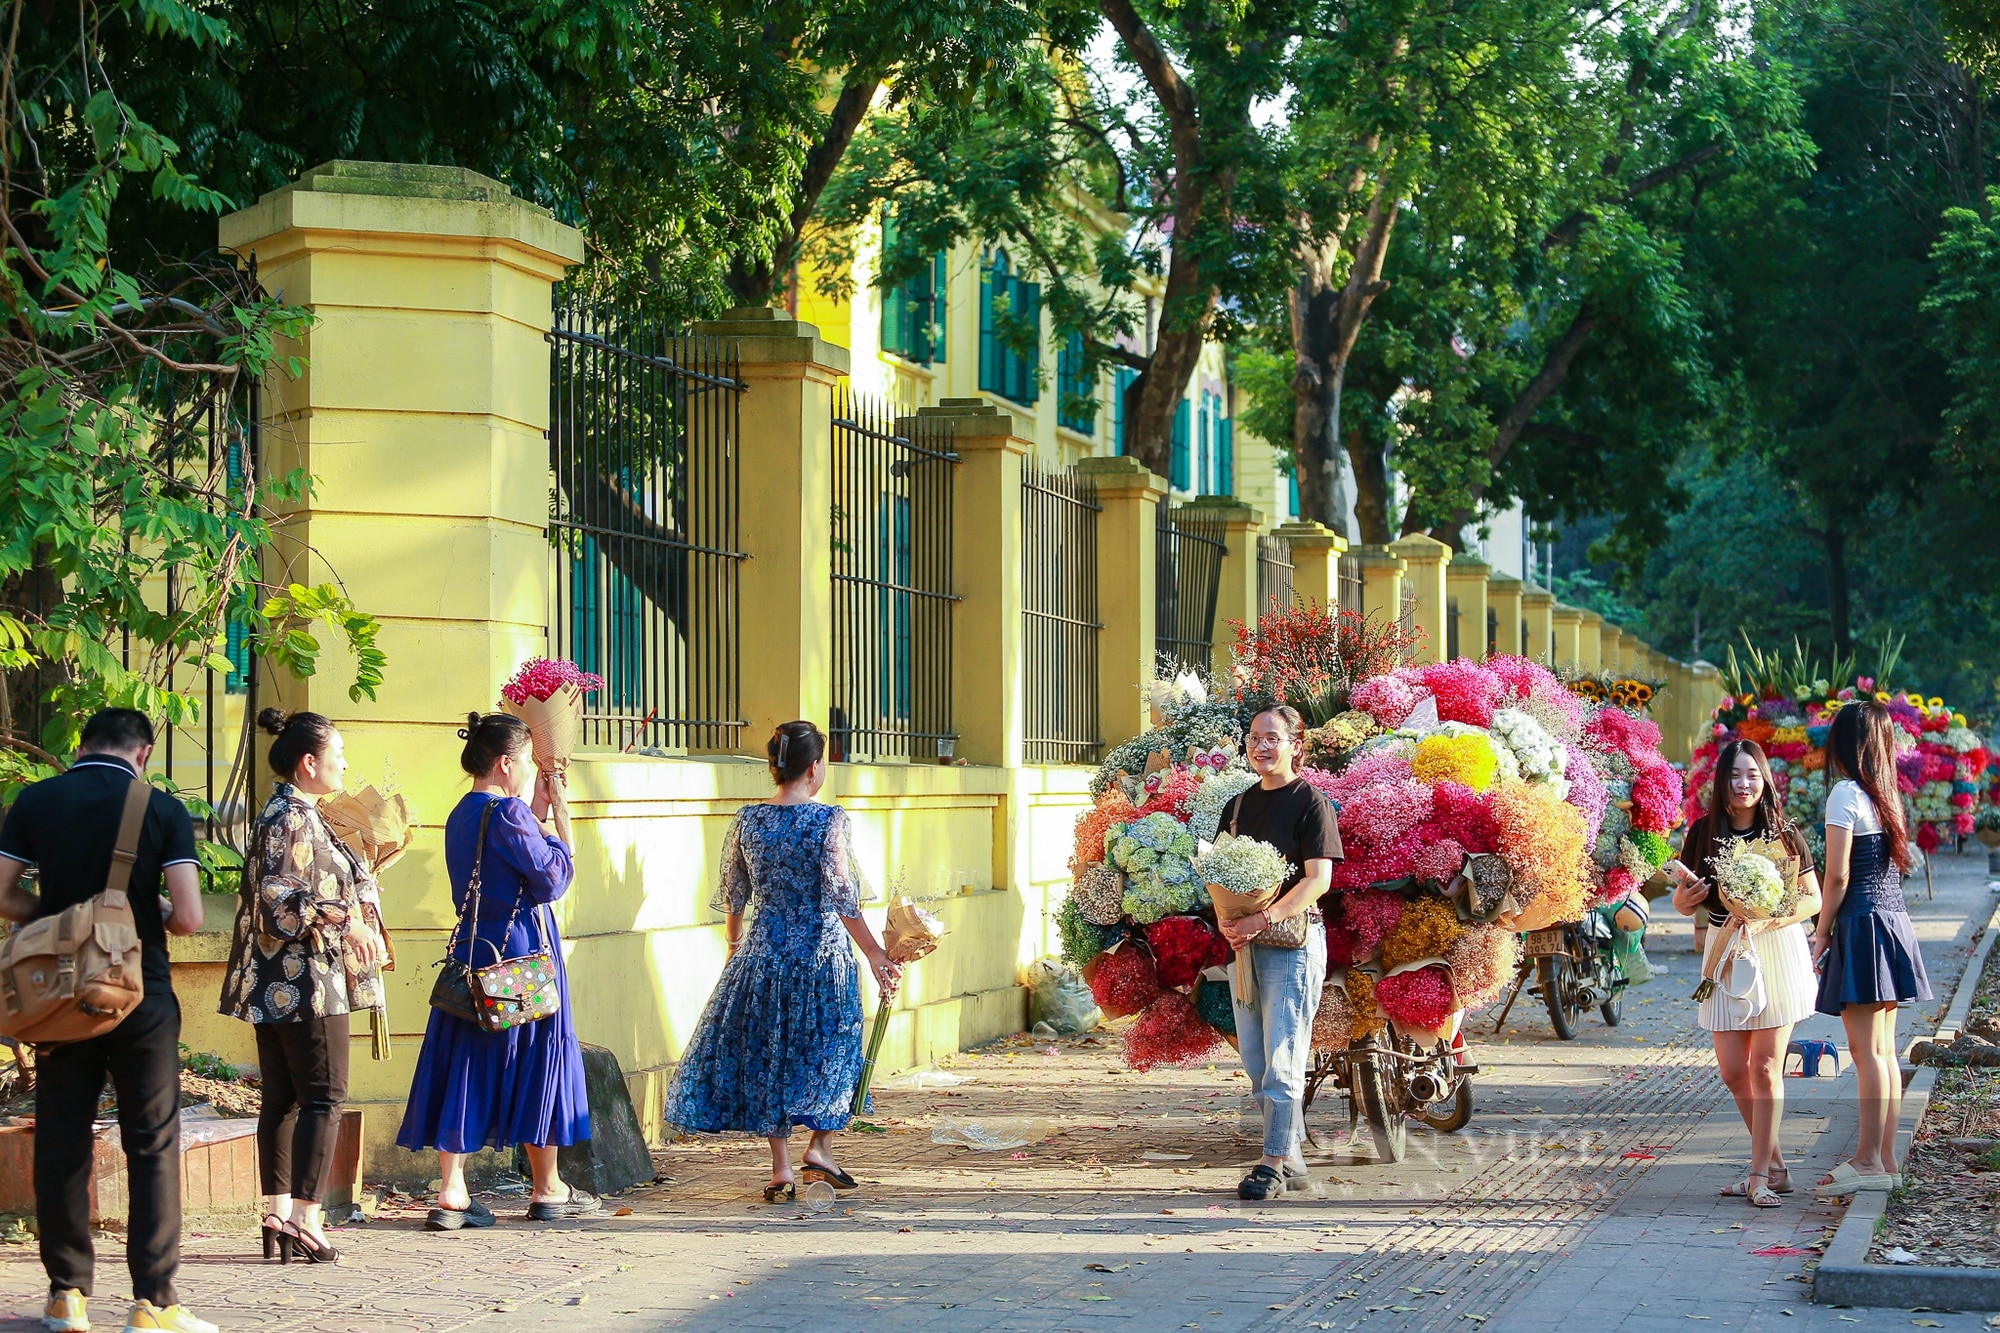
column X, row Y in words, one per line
column 779, row 1045
column 1868, row 954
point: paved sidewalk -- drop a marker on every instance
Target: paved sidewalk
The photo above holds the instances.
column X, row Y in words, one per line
column 1581, row 1196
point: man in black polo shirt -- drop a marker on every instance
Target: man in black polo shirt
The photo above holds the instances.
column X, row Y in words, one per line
column 66, row 828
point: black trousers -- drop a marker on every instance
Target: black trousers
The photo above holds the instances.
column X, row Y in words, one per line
column 303, row 1064
column 143, row 1058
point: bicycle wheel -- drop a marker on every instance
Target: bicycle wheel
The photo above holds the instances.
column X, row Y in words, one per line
column 1445, row 1122
column 1556, row 972
column 1379, row 1107
column 1613, row 1007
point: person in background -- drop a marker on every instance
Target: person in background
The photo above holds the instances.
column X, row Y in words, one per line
column 475, row 1089
column 1750, row 1048
column 1866, row 947
column 305, row 956
column 1275, row 1034
column 779, row 1045
column 66, row 828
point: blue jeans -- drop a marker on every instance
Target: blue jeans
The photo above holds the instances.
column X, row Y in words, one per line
column 1275, row 1035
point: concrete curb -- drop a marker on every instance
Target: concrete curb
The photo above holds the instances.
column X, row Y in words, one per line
column 1844, row 1276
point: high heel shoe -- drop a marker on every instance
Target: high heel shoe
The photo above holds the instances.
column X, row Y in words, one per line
column 273, row 1235
column 787, row 1191
column 294, row 1239
column 832, row 1175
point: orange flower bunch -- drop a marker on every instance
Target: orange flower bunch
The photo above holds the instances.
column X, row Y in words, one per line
column 1114, row 807
column 1541, row 838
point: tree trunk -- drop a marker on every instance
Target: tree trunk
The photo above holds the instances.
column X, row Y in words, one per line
column 754, row 283
column 1371, row 489
column 1835, row 540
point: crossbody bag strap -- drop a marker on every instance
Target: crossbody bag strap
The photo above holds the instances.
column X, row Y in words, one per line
column 471, row 912
column 126, row 851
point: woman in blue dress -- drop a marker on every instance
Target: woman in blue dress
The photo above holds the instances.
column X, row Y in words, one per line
column 476, row 1089
column 779, row 1046
column 1867, row 950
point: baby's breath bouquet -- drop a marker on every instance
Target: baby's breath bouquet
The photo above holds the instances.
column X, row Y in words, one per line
column 1757, row 879
column 1155, row 853
column 1243, row 877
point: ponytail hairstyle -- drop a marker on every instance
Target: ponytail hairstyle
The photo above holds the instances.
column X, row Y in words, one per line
column 793, row 748
column 489, row 738
column 1862, row 747
column 298, row 735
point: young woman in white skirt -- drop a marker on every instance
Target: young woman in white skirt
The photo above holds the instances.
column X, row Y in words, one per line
column 1750, row 1049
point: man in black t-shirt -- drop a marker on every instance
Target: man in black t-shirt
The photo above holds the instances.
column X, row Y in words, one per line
column 66, row 827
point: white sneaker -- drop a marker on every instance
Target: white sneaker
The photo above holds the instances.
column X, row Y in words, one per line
column 147, row 1318
column 65, row 1313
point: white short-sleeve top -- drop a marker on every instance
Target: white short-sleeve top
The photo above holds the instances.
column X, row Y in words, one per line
column 1848, row 807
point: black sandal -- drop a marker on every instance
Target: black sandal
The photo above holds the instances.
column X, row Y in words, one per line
column 787, row 1192
column 1261, row 1184
column 832, row 1175
column 474, row 1214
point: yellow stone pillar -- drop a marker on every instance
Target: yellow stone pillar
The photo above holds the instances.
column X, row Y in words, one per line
column 987, row 688
column 1566, row 626
column 1381, row 584
column 1538, row 623
column 1236, row 598
column 786, row 589
column 1503, row 594
column 1130, row 495
column 1427, row 559
column 421, row 417
column 1611, row 648
column 1316, row 552
column 1466, row 585
column 1590, row 642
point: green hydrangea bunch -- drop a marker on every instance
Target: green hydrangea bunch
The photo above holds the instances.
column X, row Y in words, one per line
column 1156, row 854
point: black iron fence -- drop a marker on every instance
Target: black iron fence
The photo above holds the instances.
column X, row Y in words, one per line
column 1349, row 576
column 892, row 583
column 1059, row 594
column 1274, row 573
column 643, row 527
column 1187, row 557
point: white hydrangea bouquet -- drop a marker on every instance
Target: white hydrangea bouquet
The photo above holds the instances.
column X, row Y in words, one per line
column 1155, row 853
column 1243, row 877
column 1757, row 879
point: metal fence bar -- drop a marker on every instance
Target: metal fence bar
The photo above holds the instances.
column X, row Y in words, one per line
column 1348, row 575
column 1274, row 573
column 643, row 526
column 1059, row 595
column 1451, row 643
column 893, row 482
column 1188, row 548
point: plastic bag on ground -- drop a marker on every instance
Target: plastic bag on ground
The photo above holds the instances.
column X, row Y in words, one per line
column 916, row 1080
column 1059, row 997
column 991, row 1133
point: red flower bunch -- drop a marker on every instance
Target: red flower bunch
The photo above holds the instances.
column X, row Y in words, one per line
column 1618, row 885
column 1322, row 781
column 1379, row 814
column 1462, row 815
column 1421, row 998
column 1928, row 838
column 1371, row 914
column 1343, row 946
column 1124, row 981
column 1172, row 790
column 1182, row 946
column 1438, row 861
column 1387, row 699
column 1620, row 732
column 1170, row 1032
column 540, row 677
column 1465, row 691
column 1309, row 655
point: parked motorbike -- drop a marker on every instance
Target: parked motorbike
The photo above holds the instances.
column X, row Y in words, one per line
column 1577, row 968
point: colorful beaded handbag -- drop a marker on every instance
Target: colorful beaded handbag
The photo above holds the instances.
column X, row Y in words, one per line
column 509, row 993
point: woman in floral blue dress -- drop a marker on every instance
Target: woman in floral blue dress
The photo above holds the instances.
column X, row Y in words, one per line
column 779, row 1046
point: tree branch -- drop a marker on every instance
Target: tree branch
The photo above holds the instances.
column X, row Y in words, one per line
column 1566, row 231
column 1176, row 98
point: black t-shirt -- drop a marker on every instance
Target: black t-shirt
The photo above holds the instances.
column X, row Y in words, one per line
column 1295, row 819
column 66, row 826
column 1706, row 839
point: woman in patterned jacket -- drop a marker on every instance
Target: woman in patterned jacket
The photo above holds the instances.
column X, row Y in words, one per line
column 306, row 955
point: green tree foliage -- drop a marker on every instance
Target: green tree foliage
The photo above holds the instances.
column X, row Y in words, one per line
column 131, row 535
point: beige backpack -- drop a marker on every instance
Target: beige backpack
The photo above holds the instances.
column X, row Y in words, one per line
column 75, row 975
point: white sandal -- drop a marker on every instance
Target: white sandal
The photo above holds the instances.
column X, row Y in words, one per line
column 1760, row 1196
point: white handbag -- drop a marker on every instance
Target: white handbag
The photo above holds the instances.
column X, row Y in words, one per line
column 1740, row 985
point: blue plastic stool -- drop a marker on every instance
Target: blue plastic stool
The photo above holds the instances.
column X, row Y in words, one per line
column 1811, row 1053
